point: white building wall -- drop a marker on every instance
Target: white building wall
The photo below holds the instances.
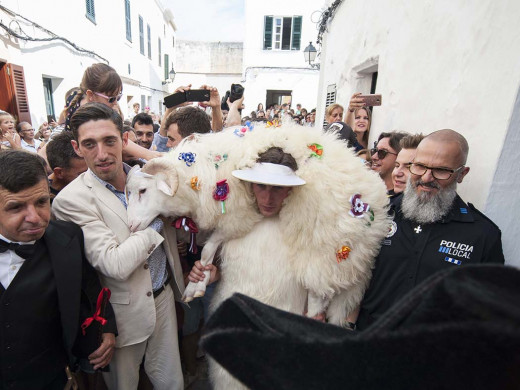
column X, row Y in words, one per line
column 106, row 37
column 218, row 64
column 278, row 69
column 441, row 64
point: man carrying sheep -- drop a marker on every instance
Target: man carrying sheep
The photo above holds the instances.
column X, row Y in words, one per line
column 272, row 179
column 142, row 269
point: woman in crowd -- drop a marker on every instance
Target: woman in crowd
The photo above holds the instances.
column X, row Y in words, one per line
column 260, row 107
column 334, row 113
column 102, row 84
column 359, row 118
column 43, row 134
column 9, row 138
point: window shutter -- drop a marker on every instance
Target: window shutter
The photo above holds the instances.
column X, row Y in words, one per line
column 296, row 33
column 268, row 32
column 141, row 35
column 286, row 34
column 149, row 34
column 91, row 14
column 166, row 66
column 159, row 50
column 20, row 92
column 128, row 21
column 330, row 99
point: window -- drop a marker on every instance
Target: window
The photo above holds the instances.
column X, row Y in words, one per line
column 149, row 41
column 91, row 14
column 141, row 35
column 330, row 99
column 166, row 65
column 49, row 101
column 282, row 32
column 13, row 98
column 128, row 21
column 159, row 49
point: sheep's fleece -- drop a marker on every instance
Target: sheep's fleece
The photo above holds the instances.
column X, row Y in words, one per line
column 278, row 260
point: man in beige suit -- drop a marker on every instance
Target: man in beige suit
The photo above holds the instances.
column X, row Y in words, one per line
column 142, row 269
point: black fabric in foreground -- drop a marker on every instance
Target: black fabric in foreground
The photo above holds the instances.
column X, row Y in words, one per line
column 459, row 329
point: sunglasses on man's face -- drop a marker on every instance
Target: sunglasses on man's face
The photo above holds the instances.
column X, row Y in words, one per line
column 381, row 153
column 111, row 99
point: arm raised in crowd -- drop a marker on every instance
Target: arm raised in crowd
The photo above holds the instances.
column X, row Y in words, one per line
column 216, row 111
column 355, row 103
column 234, row 118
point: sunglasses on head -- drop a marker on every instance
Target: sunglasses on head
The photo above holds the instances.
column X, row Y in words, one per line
column 111, row 99
column 381, row 153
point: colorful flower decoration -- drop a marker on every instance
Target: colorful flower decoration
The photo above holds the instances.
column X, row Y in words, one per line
column 342, row 254
column 195, row 184
column 188, row 158
column 273, row 123
column 317, row 150
column 221, row 192
column 219, row 159
column 358, row 207
column 248, row 126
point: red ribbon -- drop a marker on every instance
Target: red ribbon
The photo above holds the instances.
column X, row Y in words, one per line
column 189, row 225
column 96, row 316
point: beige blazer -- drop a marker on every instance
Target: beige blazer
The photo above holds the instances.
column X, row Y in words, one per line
column 118, row 255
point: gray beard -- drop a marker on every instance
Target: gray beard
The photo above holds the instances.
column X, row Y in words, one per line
column 425, row 208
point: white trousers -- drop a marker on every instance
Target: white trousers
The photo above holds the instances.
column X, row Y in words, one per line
column 162, row 361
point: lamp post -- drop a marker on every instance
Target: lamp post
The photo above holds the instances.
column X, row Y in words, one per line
column 171, row 77
column 309, row 54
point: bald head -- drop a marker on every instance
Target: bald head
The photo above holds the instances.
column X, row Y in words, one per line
column 448, row 136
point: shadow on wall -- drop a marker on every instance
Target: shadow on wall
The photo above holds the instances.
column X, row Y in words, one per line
column 503, row 202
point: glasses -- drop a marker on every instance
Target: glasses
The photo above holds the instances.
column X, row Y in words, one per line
column 381, row 153
column 27, row 130
column 111, row 99
column 437, row 173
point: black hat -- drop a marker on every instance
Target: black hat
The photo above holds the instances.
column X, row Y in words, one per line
column 460, row 329
column 345, row 132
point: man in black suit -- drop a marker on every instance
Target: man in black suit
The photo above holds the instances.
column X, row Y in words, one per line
column 47, row 288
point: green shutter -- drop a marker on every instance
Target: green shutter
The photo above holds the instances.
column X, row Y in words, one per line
column 166, row 66
column 297, row 33
column 268, row 32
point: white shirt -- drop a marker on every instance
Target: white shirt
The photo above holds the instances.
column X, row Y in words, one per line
column 29, row 147
column 10, row 264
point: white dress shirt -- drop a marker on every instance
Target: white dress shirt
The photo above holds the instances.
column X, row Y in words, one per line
column 10, row 263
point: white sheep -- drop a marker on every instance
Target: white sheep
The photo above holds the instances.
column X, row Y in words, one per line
column 315, row 223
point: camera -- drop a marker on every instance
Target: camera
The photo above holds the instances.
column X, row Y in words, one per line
column 236, row 92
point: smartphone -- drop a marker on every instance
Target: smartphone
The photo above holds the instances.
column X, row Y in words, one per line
column 50, row 119
column 175, row 99
column 197, row 95
column 371, row 100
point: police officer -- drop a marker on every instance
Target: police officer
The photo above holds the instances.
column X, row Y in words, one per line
column 432, row 228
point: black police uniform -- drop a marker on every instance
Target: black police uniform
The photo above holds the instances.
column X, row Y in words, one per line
column 412, row 252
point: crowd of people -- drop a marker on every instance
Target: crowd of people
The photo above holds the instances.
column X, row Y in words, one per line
column 84, row 159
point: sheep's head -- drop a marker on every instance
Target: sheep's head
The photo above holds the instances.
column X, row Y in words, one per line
column 149, row 192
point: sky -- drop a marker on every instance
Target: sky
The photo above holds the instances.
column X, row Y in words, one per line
column 208, row 20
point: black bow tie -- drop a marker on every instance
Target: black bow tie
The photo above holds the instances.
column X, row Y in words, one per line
column 24, row 251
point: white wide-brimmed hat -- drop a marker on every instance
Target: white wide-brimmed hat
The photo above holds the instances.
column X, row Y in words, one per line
column 270, row 174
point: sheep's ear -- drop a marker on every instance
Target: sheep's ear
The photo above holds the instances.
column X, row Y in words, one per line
column 164, row 187
column 132, row 171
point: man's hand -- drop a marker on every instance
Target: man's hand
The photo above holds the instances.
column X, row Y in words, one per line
column 197, row 273
column 234, row 117
column 214, row 97
column 102, row 356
